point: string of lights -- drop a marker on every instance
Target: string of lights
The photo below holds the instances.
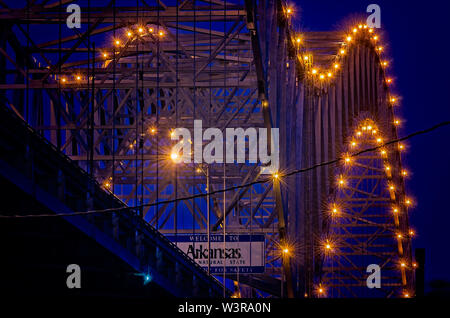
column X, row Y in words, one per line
column 276, row 175
column 321, row 77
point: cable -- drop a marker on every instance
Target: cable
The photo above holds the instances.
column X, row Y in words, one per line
column 267, row 179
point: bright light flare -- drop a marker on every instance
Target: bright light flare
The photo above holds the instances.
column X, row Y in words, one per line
column 175, row 157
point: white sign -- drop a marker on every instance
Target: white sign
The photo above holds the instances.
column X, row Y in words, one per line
column 240, row 253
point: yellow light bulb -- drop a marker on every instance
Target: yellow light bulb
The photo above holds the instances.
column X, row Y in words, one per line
column 336, row 65
column 161, row 33
column 117, row 42
column 174, row 156
column 330, row 74
column 298, row 40
column 322, row 76
column 314, row 71
column 349, row 39
column 129, row 33
column 342, row 51
column 141, row 30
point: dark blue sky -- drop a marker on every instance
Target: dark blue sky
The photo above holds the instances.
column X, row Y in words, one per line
column 418, row 37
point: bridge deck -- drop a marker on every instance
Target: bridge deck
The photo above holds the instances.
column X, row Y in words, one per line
column 39, row 179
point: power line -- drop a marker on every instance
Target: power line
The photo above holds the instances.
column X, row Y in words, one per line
column 261, row 181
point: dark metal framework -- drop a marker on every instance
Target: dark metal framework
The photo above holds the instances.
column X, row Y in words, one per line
column 109, row 100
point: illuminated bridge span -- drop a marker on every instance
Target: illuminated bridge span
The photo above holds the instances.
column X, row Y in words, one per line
column 110, row 95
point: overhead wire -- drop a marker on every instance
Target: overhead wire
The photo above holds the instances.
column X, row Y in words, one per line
column 237, row 187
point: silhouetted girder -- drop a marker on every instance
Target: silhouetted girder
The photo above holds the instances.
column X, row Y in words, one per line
column 265, row 283
column 330, row 111
column 191, row 73
column 39, row 170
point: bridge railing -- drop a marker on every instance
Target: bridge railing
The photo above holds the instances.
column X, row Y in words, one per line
column 22, row 147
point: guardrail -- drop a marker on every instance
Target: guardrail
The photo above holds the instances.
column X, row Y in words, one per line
column 38, row 159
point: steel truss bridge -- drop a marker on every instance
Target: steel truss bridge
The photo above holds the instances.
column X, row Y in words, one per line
column 109, row 95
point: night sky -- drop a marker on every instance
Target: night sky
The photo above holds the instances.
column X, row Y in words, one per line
column 417, row 38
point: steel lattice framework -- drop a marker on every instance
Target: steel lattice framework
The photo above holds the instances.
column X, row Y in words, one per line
column 356, row 213
column 109, row 95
